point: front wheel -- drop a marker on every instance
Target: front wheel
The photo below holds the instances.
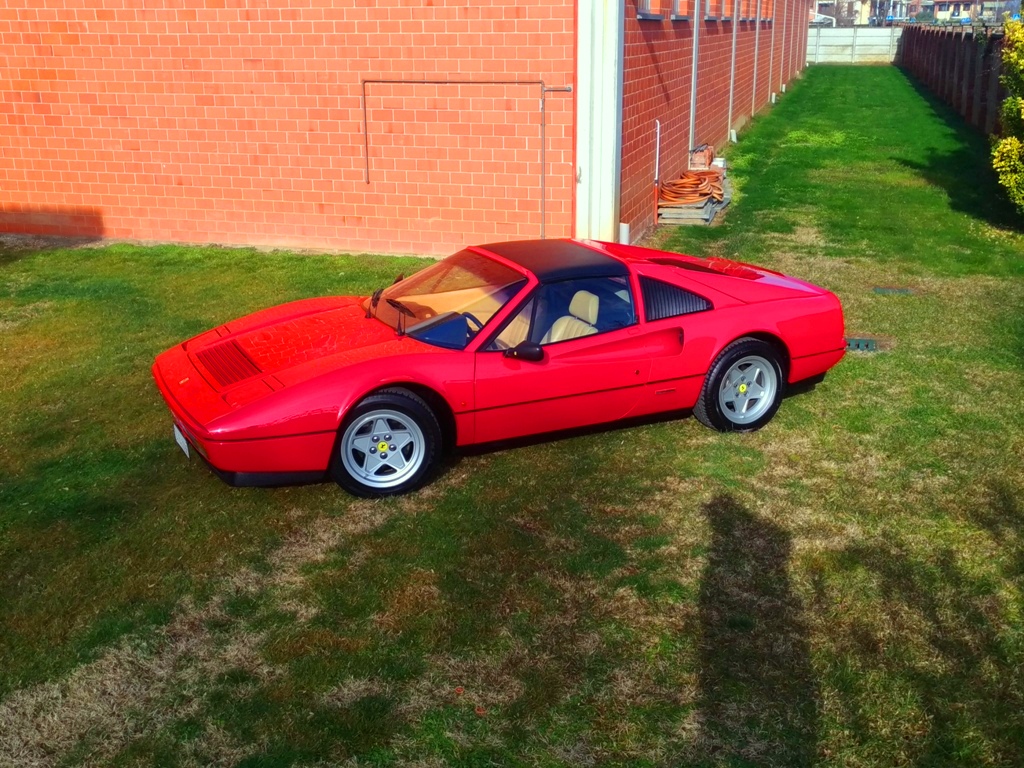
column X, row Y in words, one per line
column 388, row 444
column 743, row 389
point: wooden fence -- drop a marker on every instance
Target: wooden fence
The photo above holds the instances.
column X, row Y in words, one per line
column 961, row 67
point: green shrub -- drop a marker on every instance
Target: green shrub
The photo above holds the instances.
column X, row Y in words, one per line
column 1008, row 151
column 1008, row 160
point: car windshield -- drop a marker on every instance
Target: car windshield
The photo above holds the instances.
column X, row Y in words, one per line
column 448, row 303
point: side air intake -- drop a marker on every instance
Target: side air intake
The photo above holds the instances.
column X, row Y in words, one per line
column 663, row 300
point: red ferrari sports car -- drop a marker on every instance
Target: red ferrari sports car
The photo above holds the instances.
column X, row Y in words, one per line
column 495, row 342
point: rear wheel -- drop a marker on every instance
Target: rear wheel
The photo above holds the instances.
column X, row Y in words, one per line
column 743, row 389
column 388, row 444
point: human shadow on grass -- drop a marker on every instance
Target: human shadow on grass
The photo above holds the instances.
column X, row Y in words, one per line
column 500, row 617
column 1015, row 331
column 965, row 173
column 759, row 702
column 966, row 680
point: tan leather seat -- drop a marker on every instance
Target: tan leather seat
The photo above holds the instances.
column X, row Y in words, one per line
column 515, row 332
column 579, row 322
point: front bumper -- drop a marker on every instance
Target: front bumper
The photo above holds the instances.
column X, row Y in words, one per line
column 305, row 455
column 248, row 461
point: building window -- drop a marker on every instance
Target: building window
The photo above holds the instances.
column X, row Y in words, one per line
column 648, row 10
column 681, row 9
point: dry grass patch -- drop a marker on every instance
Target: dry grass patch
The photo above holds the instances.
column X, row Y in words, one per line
column 141, row 686
column 14, row 316
column 134, row 689
column 419, row 595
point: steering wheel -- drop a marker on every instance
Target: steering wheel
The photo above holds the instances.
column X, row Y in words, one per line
column 474, row 319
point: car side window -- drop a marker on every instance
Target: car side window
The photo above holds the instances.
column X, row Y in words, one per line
column 516, row 330
column 570, row 309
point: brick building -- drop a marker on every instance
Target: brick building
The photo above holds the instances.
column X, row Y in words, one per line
column 346, row 125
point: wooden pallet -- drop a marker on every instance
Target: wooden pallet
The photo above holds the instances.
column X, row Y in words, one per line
column 695, row 213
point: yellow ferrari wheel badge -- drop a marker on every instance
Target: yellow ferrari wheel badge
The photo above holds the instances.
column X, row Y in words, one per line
column 743, row 389
column 382, row 446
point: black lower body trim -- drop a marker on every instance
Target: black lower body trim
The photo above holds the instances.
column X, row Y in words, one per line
column 266, row 479
column 804, row 386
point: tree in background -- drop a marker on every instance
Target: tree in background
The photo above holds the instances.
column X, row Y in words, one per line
column 1008, row 153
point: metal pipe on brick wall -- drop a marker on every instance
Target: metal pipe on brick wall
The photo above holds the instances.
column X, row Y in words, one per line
column 782, row 55
column 792, row 46
column 657, row 166
column 771, row 48
column 732, row 65
column 757, row 49
column 693, row 77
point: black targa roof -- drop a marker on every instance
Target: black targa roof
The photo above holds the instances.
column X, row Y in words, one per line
column 554, row 260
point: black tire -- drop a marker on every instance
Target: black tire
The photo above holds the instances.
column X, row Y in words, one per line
column 717, row 410
column 385, row 466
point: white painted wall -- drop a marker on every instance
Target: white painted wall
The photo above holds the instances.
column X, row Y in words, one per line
column 599, row 117
column 853, row 45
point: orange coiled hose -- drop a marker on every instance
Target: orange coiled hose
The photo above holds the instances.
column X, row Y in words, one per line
column 690, row 188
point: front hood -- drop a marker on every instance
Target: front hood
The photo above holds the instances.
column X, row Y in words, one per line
column 292, row 342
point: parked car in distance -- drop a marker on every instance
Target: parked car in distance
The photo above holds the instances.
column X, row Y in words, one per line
column 495, row 342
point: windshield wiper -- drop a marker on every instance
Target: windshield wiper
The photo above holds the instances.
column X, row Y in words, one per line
column 403, row 312
column 371, row 308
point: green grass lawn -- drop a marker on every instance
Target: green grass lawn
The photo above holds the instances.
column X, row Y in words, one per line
column 842, row 588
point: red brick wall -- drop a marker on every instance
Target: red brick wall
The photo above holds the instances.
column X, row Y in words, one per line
column 658, row 56
column 208, row 120
column 240, row 122
column 656, row 86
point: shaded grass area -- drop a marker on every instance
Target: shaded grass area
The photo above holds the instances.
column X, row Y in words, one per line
column 92, row 496
column 841, row 588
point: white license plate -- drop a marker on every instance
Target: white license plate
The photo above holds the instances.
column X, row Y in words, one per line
column 181, row 441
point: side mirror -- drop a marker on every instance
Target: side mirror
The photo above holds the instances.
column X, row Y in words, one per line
column 529, row 351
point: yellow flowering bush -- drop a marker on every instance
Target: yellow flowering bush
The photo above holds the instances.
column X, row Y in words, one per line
column 1008, row 151
column 1008, row 160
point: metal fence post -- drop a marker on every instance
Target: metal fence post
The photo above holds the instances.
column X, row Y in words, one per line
column 966, row 74
column 992, row 107
column 954, row 81
column 977, row 120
